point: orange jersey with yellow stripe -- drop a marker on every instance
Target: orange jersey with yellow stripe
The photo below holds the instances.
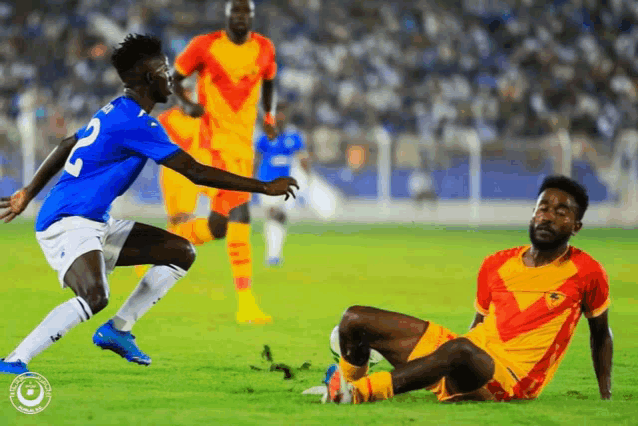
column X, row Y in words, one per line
column 181, row 128
column 229, row 84
column 531, row 313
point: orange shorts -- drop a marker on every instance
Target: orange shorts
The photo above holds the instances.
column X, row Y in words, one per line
column 500, row 388
column 181, row 195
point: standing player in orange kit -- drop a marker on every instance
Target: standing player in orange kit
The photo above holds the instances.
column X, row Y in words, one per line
column 236, row 68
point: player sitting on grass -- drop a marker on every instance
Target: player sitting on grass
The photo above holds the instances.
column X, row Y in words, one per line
column 529, row 300
column 79, row 239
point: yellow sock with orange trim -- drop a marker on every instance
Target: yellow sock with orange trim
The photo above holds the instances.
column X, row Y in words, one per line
column 238, row 245
column 352, row 372
column 196, row 231
column 375, row 387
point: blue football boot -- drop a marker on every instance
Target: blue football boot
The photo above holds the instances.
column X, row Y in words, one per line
column 120, row 342
column 274, row 262
column 17, row 367
column 338, row 390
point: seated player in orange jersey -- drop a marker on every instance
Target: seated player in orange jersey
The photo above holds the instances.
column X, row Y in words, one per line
column 235, row 68
column 528, row 302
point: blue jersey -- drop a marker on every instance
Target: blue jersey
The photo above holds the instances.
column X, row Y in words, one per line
column 110, row 153
column 277, row 154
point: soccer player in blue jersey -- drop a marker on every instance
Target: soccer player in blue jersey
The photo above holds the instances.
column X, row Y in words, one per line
column 79, row 238
column 276, row 157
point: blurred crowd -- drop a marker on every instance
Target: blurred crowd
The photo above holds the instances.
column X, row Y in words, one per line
column 427, row 71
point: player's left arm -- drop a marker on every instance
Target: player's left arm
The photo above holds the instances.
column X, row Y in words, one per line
column 268, row 95
column 303, row 155
column 595, row 306
column 19, row 201
column 478, row 318
column 602, row 351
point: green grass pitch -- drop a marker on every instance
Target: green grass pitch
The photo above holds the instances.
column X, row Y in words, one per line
column 201, row 359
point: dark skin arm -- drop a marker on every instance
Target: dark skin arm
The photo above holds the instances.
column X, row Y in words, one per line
column 191, row 108
column 478, row 318
column 49, row 168
column 268, row 102
column 200, row 174
column 602, row 351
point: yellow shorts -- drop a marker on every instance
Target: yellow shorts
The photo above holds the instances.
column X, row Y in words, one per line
column 181, row 195
column 500, row 388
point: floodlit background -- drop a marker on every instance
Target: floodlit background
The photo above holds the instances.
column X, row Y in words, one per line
column 432, row 111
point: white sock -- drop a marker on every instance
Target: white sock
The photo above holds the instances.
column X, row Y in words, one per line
column 153, row 286
column 59, row 321
column 275, row 236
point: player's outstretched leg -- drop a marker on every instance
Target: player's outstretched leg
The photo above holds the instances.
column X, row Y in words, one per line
column 465, row 366
column 87, row 278
column 171, row 256
column 275, row 233
column 239, row 252
column 364, row 328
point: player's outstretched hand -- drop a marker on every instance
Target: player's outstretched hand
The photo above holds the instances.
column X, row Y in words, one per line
column 14, row 204
column 270, row 130
column 194, row 110
column 282, row 186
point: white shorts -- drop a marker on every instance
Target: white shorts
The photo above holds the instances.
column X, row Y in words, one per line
column 277, row 202
column 71, row 237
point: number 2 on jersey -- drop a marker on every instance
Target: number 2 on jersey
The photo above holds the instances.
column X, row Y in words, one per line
column 75, row 168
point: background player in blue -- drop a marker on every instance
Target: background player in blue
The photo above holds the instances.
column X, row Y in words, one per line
column 79, row 238
column 276, row 158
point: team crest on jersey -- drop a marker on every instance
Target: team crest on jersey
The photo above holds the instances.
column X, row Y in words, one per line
column 554, row 299
column 152, row 123
column 289, row 142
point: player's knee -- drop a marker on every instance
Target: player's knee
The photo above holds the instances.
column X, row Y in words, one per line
column 240, row 214
column 351, row 319
column 189, row 254
column 97, row 298
column 218, row 225
column 463, row 353
column 277, row 215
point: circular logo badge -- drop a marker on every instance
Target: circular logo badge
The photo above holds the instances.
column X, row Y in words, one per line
column 30, row 393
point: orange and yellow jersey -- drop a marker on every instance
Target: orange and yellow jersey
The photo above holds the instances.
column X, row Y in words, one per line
column 531, row 313
column 184, row 130
column 181, row 128
column 229, row 85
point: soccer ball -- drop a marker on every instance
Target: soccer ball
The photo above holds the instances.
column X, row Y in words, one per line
column 375, row 357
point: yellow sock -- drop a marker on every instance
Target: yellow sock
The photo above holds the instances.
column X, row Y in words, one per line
column 352, row 372
column 196, row 231
column 375, row 387
column 238, row 245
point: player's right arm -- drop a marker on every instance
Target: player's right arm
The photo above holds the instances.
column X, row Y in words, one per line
column 201, row 174
column 483, row 293
column 186, row 63
column 47, row 170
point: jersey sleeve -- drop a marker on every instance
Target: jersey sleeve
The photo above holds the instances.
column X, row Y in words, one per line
column 270, row 70
column 483, row 292
column 596, row 298
column 191, row 58
column 150, row 140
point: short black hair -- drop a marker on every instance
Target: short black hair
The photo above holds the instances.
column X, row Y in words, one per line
column 571, row 187
column 135, row 48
